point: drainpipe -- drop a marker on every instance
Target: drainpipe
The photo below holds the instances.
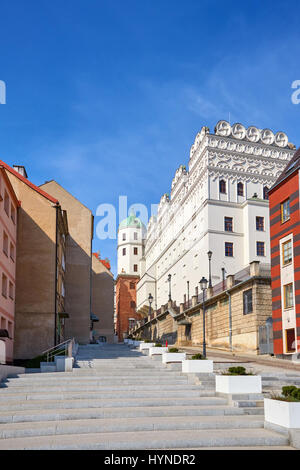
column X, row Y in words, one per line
column 230, row 321
column 57, row 207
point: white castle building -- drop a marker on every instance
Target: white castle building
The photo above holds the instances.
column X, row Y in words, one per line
column 219, row 204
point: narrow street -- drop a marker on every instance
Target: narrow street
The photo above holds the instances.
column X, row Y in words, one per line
column 118, row 398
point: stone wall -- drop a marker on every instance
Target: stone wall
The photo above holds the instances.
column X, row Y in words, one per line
column 244, row 326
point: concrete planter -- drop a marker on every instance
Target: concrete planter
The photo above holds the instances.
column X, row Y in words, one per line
column 157, row 350
column 238, row 384
column 197, row 366
column 126, row 340
column 64, row 363
column 144, row 346
column 282, row 413
column 173, row 357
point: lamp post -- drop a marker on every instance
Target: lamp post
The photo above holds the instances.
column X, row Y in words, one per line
column 169, row 280
column 203, row 286
column 209, row 254
column 150, row 299
column 188, row 292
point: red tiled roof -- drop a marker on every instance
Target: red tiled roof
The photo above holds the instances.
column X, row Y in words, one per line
column 26, row 181
column 105, row 262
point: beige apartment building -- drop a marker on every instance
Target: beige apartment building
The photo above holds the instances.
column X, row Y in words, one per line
column 78, row 273
column 102, row 299
column 39, row 299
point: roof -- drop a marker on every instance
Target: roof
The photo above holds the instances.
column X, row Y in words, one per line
column 292, row 166
column 105, row 262
column 26, row 181
column 131, row 221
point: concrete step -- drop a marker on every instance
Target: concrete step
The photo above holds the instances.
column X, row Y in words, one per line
column 61, row 414
column 91, row 395
column 109, row 402
column 85, row 426
column 96, row 387
column 150, row 440
column 98, row 381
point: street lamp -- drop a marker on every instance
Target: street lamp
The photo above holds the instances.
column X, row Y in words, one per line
column 209, row 254
column 188, row 292
column 203, row 286
column 169, row 280
column 150, row 298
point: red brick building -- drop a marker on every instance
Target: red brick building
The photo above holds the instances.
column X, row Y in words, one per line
column 125, row 303
column 285, row 259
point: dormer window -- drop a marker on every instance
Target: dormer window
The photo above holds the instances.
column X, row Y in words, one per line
column 240, row 189
column 222, row 187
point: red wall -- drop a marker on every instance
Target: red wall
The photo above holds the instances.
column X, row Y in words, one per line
column 287, row 189
column 124, row 297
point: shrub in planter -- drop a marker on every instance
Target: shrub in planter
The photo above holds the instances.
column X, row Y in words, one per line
column 158, row 345
column 198, row 364
column 237, row 381
column 173, row 350
column 287, row 390
column 284, row 410
column 197, row 357
column 239, row 370
column 147, row 341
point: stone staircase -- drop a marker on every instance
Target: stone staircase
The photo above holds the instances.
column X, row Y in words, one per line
column 118, row 398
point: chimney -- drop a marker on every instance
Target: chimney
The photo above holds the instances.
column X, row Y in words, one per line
column 20, row 169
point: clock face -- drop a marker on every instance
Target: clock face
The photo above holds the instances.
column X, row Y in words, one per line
column 238, row 131
column 253, row 134
column 223, row 128
column 281, row 139
column 267, row 137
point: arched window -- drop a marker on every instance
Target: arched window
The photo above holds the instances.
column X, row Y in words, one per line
column 222, row 186
column 266, row 191
column 240, row 189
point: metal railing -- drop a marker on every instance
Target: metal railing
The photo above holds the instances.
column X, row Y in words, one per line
column 66, row 347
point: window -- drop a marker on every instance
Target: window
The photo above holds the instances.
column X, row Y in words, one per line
column 11, row 290
column 13, row 213
column 247, row 302
column 260, row 248
column 228, row 224
column 4, row 285
column 10, row 329
column 285, row 211
column 6, row 203
column 265, row 192
column 132, row 304
column 288, row 295
column 124, row 251
column 260, row 224
column 135, row 236
column 132, row 285
column 135, row 268
column 222, row 186
column 135, row 251
column 228, row 249
column 12, row 252
column 287, row 254
column 124, row 237
column 5, row 243
column 240, row 189
column 290, row 340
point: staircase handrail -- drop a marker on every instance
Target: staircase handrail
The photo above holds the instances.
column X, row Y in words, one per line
column 67, row 346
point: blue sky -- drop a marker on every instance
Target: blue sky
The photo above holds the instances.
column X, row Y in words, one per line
column 107, row 96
